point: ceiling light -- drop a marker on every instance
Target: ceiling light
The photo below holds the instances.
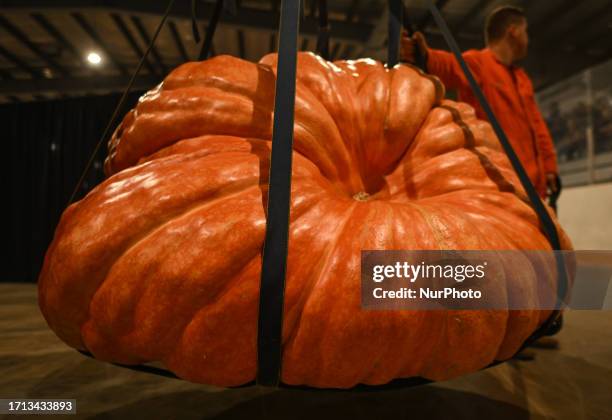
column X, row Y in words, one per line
column 94, row 58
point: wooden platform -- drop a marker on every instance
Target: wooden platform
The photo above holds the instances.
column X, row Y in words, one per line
column 572, row 382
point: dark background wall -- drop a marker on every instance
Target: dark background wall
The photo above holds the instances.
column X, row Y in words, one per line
column 46, row 146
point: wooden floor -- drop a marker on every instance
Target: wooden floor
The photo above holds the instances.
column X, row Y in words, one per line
column 572, row 382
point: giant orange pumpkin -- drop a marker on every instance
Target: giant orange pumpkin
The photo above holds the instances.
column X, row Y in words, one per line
column 161, row 262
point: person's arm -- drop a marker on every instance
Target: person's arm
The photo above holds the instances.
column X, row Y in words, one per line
column 545, row 145
column 439, row 63
column 444, row 65
column 544, row 141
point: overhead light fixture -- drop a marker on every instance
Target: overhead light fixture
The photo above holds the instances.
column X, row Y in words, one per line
column 94, row 58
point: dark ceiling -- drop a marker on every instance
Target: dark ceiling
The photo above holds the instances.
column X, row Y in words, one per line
column 43, row 44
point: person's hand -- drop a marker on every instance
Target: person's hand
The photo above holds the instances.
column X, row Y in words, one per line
column 409, row 45
column 551, row 182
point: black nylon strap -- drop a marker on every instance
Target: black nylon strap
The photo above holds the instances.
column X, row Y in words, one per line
column 547, row 222
column 322, row 48
column 420, row 59
column 274, row 261
column 229, row 6
column 194, row 21
column 396, row 9
column 210, row 31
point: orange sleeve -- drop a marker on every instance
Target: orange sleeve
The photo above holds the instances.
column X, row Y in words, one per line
column 544, row 140
column 545, row 144
column 444, row 65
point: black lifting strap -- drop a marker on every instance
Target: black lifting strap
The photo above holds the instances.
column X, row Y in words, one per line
column 322, row 48
column 274, row 260
column 398, row 17
column 420, row 59
column 210, row 29
column 396, row 11
column 547, row 222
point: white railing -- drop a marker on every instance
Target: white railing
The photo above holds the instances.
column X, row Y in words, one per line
column 578, row 111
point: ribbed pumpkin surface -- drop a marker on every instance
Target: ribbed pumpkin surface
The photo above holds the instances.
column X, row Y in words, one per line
column 161, row 262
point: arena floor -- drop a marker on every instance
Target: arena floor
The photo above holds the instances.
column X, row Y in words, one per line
column 573, row 381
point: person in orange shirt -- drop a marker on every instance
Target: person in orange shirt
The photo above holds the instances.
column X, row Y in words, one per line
column 506, row 86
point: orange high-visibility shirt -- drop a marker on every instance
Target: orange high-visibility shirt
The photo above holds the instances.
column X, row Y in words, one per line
column 510, row 93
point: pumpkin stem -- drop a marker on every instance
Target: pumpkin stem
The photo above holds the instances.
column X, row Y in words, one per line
column 361, row 196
